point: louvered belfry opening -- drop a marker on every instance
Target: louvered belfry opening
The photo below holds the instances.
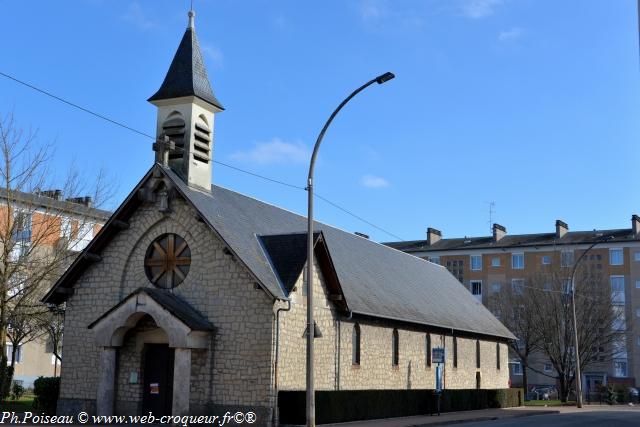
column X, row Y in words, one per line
column 202, row 141
column 174, row 128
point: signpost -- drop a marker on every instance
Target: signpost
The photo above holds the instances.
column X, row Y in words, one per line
column 438, row 357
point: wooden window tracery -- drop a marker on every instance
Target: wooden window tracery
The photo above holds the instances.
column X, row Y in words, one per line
column 167, row 261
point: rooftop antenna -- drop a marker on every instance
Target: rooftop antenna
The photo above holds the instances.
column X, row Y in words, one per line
column 492, row 206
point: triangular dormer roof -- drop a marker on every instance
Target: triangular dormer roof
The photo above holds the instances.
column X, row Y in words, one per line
column 187, row 75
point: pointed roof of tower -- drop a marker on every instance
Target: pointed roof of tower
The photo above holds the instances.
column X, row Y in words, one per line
column 187, row 75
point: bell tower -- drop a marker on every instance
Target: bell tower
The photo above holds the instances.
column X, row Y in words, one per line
column 186, row 108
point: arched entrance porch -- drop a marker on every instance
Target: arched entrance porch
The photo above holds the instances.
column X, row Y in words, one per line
column 180, row 328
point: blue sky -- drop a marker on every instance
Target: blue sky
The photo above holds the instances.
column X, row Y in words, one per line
column 532, row 104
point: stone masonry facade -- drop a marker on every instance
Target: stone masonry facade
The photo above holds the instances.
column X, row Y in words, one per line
column 234, row 372
column 334, row 369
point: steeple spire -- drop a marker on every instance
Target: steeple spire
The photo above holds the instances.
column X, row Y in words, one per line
column 186, row 109
column 187, row 75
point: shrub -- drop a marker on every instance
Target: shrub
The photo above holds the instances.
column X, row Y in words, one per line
column 6, row 376
column 351, row 405
column 622, row 393
column 610, row 396
column 46, row 390
column 17, row 390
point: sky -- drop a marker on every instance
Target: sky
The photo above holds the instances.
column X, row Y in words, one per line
column 531, row 104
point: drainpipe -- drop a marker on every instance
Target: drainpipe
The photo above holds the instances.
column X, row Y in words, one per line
column 276, row 414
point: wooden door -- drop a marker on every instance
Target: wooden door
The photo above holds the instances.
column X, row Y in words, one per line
column 158, row 379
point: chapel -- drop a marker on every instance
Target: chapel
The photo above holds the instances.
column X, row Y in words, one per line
column 191, row 299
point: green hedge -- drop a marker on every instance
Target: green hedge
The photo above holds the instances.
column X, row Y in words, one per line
column 46, row 390
column 353, row 405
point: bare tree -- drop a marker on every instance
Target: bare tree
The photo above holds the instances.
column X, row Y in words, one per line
column 514, row 308
column 53, row 326
column 599, row 323
column 41, row 230
column 24, row 327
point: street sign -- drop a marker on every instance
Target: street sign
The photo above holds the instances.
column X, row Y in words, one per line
column 437, row 355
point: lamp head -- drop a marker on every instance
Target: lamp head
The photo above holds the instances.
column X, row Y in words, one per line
column 384, row 78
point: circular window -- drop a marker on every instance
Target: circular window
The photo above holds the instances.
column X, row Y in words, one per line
column 167, row 261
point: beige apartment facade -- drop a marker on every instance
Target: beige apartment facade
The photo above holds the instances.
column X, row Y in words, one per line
column 34, row 359
column 42, row 223
column 485, row 265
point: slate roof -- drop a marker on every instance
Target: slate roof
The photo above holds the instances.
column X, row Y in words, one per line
column 516, row 240
column 187, row 75
column 173, row 304
column 288, row 255
column 376, row 280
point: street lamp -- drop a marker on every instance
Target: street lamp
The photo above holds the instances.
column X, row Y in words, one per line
column 575, row 321
column 311, row 405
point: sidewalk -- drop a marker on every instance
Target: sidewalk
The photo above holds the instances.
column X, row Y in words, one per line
column 451, row 417
column 480, row 415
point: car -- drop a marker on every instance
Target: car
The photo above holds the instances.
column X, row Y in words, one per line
column 545, row 392
column 634, row 392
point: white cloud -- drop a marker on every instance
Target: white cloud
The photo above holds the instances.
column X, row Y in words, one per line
column 373, row 181
column 382, row 15
column 512, row 34
column 279, row 22
column 372, row 10
column 137, row 17
column 476, row 9
column 213, row 53
column 275, row 151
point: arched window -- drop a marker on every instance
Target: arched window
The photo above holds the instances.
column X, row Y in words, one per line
column 427, row 349
column 174, row 128
column 455, row 352
column 355, row 342
column 395, row 348
column 478, row 354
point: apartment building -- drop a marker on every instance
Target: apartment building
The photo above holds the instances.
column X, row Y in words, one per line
column 38, row 226
column 485, row 265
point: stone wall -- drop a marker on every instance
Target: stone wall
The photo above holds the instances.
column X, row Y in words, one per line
column 235, row 370
column 334, row 369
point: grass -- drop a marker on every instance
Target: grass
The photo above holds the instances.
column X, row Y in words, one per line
column 25, row 403
column 548, row 403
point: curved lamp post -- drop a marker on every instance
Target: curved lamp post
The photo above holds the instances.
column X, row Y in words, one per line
column 575, row 322
column 310, row 331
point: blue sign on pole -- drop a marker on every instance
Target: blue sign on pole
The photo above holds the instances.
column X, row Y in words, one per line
column 437, row 355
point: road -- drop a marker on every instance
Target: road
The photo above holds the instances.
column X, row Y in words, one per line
column 600, row 418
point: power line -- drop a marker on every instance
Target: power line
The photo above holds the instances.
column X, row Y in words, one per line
column 86, row 110
column 358, row 217
column 256, row 175
column 259, row 176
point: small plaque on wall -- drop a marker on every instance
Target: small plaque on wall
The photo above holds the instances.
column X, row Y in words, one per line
column 154, row 388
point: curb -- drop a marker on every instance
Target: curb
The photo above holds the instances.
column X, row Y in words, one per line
column 485, row 418
column 447, row 422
